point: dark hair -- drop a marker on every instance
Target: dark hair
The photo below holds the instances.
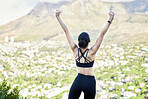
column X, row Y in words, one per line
column 83, row 40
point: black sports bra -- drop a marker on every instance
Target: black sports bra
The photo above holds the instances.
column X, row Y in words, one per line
column 87, row 63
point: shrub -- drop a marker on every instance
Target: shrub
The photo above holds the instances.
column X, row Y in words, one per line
column 7, row 93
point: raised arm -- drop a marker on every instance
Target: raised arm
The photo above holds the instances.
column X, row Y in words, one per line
column 68, row 34
column 96, row 46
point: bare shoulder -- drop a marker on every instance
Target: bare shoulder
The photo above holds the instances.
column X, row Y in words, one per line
column 91, row 51
column 91, row 55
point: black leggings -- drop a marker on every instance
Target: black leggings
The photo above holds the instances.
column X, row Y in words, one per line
column 84, row 83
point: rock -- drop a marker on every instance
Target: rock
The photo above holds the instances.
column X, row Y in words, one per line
column 122, row 75
column 103, row 97
column 1, row 68
column 137, row 90
column 123, row 90
column 131, row 87
column 142, row 85
column 145, row 49
column 129, row 94
column 127, row 69
column 146, row 59
column 112, row 83
column 131, row 57
column 1, row 80
column 65, row 96
column 128, row 78
column 146, row 71
column 111, row 89
column 145, row 65
column 47, row 85
column 59, row 84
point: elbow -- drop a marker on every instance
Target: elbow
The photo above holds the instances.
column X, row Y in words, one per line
column 66, row 31
column 74, row 47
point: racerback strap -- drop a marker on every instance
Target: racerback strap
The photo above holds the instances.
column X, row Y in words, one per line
column 82, row 55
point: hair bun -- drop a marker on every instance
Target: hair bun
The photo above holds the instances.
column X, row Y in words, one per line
column 83, row 40
column 82, row 43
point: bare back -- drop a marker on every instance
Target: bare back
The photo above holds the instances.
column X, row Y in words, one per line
column 90, row 57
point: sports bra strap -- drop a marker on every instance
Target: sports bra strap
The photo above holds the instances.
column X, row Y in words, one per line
column 87, row 53
column 83, row 52
column 82, row 55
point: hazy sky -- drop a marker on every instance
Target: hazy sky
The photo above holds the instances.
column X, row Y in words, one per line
column 13, row 9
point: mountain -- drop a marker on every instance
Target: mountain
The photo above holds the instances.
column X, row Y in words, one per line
column 132, row 6
column 46, row 7
column 137, row 6
column 130, row 22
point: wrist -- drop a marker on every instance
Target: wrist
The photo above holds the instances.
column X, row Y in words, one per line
column 57, row 17
column 111, row 19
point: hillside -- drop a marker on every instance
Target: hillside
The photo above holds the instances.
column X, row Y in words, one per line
column 84, row 15
column 46, row 70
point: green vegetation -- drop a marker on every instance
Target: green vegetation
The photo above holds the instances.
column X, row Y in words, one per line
column 45, row 67
column 7, row 93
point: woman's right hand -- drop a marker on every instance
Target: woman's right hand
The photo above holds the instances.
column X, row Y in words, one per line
column 58, row 12
column 111, row 14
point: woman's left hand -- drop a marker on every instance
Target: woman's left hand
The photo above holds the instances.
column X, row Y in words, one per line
column 58, row 12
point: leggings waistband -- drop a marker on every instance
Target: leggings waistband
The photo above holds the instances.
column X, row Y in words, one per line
column 86, row 75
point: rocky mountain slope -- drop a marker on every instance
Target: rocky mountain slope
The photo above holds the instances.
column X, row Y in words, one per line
column 130, row 22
